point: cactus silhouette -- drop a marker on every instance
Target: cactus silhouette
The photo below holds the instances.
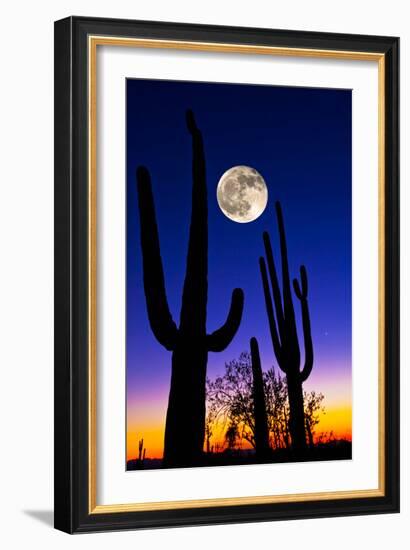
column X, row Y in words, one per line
column 140, row 448
column 189, row 343
column 283, row 329
column 261, row 420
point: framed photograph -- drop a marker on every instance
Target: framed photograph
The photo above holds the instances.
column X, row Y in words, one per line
column 226, row 274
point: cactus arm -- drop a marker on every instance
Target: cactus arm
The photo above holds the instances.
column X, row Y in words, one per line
column 301, row 292
column 198, row 160
column 221, row 338
column 271, row 318
column 289, row 311
column 274, row 282
column 159, row 315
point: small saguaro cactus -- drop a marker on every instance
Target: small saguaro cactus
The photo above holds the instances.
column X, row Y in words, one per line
column 189, row 342
column 259, row 406
column 140, row 449
column 283, row 329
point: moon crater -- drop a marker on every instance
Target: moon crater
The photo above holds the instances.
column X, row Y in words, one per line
column 242, row 194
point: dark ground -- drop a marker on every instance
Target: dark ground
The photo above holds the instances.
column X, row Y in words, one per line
column 334, row 450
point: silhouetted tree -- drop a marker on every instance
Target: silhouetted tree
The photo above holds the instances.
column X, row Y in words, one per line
column 230, row 402
column 313, row 407
column 231, row 436
column 283, row 329
column 189, row 343
column 277, row 407
column 209, row 424
column 230, row 399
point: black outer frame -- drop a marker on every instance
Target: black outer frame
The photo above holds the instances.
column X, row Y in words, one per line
column 71, row 275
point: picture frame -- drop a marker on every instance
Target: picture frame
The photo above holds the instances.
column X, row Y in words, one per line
column 77, row 41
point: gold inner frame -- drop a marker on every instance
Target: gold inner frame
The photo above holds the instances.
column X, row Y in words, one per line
column 93, row 42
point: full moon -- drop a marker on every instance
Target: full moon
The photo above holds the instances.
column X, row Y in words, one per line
column 242, row 194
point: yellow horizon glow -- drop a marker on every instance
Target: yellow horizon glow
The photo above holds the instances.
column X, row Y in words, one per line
column 336, row 419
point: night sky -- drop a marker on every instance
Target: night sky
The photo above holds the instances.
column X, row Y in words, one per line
column 299, row 140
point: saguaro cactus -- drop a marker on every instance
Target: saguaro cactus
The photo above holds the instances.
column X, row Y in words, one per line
column 189, row 343
column 283, row 329
column 259, row 406
column 140, row 449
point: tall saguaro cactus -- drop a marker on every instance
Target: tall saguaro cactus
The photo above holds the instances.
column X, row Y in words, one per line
column 283, row 329
column 259, row 405
column 189, row 343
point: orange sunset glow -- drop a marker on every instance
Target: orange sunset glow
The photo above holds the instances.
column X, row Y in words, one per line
column 337, row 420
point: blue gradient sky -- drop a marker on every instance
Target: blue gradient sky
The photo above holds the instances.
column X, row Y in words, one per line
column 299, row 140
